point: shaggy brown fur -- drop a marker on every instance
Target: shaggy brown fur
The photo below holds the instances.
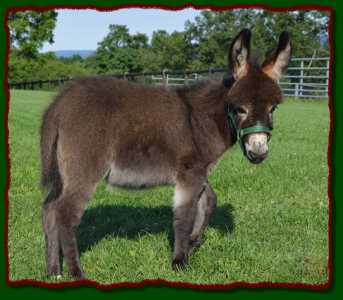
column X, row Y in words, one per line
column 134, row 135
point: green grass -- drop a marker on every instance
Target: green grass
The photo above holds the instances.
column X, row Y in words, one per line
column 271, row 223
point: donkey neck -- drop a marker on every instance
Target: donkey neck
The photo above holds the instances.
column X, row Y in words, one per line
column 207, row 105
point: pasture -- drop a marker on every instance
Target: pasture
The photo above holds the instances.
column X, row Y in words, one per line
column 271, row 223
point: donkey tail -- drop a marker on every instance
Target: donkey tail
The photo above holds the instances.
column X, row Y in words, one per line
column 48, row 146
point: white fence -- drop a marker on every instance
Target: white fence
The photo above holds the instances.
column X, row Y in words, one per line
column 305, row 78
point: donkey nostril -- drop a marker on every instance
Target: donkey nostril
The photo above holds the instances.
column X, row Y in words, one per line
column 257, row 157
column 252, row 155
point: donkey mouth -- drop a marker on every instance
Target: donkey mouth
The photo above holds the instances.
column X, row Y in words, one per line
column 256, row 158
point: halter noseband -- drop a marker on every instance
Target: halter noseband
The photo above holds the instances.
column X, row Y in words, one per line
column 241, row 132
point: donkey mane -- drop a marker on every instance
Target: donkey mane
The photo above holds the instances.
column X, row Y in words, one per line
column 206, row 95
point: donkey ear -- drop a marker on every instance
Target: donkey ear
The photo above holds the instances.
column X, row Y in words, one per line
column 239, row 54
column 276, row 63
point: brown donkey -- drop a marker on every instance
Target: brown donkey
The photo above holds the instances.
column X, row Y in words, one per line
column 135, row 135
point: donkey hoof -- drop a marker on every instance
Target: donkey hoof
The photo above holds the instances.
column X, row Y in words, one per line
column 179, row 262
column 53, row 271
column 196, row 242
column 194, row 245
column 56, row 277
column 77, row 274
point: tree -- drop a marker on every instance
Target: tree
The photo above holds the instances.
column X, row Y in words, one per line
column 75, row 58
column 211, row 32
column 170, row 51
column 119, row 52
column 304, row 26
column 29, row 30
column 44, row 66
column 209, row 37
column 203, row 43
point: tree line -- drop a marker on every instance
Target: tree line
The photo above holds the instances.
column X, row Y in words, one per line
column 202, row 44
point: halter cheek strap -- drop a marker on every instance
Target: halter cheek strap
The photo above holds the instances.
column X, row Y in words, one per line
column 241, row 132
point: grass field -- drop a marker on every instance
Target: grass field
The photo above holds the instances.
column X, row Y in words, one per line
column 271, row 223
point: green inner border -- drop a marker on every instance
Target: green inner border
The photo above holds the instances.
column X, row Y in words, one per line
column 162, row 291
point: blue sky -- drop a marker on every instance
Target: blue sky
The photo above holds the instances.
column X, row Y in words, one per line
column 78, row 29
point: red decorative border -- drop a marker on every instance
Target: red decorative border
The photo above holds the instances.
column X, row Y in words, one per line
column 236, row 284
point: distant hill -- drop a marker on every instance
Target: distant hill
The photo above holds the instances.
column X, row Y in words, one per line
column 69, row 53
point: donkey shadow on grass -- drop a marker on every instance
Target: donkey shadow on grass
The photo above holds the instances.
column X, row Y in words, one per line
column 131, row 222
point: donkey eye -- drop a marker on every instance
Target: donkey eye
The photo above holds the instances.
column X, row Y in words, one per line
column 272, row 109
column 241, row 110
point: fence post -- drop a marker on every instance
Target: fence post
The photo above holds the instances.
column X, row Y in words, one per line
column 165, row 77
column 301, row 77
column 186, row 78
column 144, row 77
column 296, row 91
column 210, row 72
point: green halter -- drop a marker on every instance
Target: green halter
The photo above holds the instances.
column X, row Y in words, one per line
column 241, row 132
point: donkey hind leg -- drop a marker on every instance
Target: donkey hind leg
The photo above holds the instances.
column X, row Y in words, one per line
column 70, row 208
column 52, row 246
column 205, row 207
column 184, row 207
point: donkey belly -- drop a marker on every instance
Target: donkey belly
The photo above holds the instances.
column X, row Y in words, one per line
column 138, row 178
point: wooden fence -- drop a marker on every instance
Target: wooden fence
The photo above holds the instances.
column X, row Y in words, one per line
column 305, row 78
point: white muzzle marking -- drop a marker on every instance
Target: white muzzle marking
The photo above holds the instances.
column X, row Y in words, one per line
column 257, row 143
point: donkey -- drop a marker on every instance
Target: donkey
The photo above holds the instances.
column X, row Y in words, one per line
column 135, row 136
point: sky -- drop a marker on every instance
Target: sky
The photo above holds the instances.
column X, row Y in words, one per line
column 81, row 29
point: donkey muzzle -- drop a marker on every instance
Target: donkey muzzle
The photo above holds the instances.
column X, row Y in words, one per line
column 256, row 147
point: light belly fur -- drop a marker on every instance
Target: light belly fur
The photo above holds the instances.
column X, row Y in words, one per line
column 146, row 177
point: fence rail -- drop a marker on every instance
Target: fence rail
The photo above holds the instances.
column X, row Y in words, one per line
column 305, row 78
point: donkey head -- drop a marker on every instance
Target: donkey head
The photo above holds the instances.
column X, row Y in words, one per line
column 255, row 93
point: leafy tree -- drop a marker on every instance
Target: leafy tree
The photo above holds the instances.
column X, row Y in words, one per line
column 76, row 58
column 211, row 32
column 29, row 30
column 119, row 52
column 203, row 43
column 139, row 41
column 209, row 36
column 44, row 66
column 170, row 51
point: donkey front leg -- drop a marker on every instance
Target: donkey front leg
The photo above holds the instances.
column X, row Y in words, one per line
column 185, row 206
column 205, row 207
